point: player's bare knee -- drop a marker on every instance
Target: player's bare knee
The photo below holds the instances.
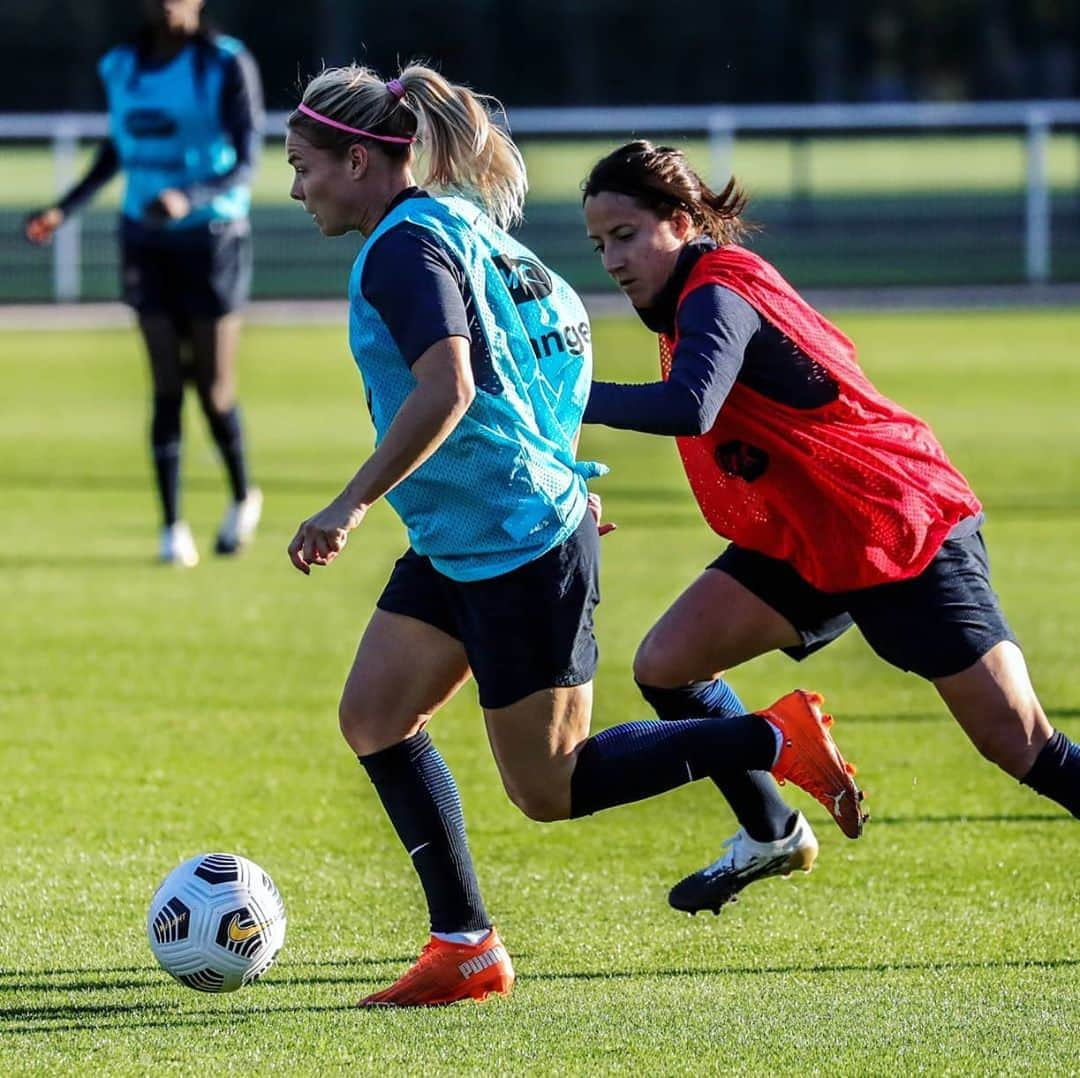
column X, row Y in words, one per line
column 655, row 665
column 542, row 809
column 540, row 805
column 369, row 725
column 358, row 725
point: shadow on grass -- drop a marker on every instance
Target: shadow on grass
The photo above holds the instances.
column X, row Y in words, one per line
column 62, row 983
column 124, row 483
column 74, row 971
column 113, row 978
column 876, row 719
column 93, row 483
column 29, row 1020
column 21, row 1021
column 941, row 716
column 839, row 967
column 14, row 562
column 51, row 1017
column 974, row 817
column 639, row 496
column 1021, row 508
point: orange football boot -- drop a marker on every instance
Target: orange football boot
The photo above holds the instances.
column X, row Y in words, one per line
column 448, row 972
column 810, row 759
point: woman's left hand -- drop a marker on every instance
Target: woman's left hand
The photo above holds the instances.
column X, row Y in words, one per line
column 321, row 538
column 596, row 508
column 170, row 205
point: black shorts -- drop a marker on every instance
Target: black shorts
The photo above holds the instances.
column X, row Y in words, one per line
column 935, row 624
column 527, row 630
column 187, row 273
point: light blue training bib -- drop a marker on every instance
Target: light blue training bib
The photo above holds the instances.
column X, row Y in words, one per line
column 504, row 488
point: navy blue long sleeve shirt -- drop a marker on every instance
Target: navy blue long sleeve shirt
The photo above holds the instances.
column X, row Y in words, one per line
column 722, row 340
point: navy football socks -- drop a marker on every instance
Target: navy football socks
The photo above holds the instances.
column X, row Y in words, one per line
column 1056, row 772
column 228, row 434
column 421, row 799
column 165, row 446
column 641, row 759
column 752, row 795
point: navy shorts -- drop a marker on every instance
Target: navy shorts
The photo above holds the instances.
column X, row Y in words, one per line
column 527, row 630
column 935, row 624
column 186, row 273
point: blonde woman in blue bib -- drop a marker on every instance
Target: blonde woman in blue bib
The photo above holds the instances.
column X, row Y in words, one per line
column 476, row 360
column 185, row 111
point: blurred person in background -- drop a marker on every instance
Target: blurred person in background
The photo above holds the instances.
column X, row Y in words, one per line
column 842, row 507
column 476, row 361
column 185, row 110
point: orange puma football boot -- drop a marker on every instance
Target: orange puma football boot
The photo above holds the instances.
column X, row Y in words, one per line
column 810, row 759
column 448, row 972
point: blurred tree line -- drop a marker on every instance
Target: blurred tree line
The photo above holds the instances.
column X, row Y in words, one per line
column 599, row 52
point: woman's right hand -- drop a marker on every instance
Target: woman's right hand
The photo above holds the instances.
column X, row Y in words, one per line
column 39, row 227
column 321, row 538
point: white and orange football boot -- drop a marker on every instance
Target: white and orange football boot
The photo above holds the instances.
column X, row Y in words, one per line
column 810, row 759
column 449, row 972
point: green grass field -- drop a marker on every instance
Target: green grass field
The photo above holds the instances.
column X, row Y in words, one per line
column 770, row 167
column 150, row 714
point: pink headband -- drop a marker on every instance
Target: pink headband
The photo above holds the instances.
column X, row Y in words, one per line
column 351, row 130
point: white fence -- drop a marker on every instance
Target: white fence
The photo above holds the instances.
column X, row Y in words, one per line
column 721, row 124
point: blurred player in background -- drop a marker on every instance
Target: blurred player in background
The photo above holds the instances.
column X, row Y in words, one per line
column 185, row 109
column 842, row 508
column 476, row 361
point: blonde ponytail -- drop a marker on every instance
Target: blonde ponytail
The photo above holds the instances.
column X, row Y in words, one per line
column 463, row 148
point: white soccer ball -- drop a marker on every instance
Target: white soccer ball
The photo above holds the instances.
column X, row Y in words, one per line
column 216, row 923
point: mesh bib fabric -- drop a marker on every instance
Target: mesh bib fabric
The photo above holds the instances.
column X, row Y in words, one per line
column 166, row 125
column 504, row 488
column 852, row 494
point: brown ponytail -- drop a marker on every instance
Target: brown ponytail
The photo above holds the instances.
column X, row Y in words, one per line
column 660, row 179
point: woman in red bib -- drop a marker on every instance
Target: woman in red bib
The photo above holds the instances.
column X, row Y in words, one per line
column 841, row 507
